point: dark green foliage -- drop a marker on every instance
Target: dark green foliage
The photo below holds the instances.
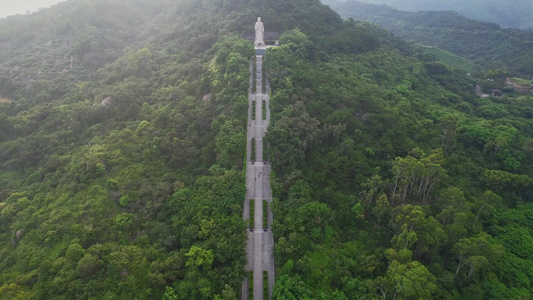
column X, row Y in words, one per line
column 265, row 284
column 265, row 152
column 252, row 214
column 253, row 150
column 88, row 266
column 123, row 178
column 265, row 214
column 250, row 285
column 254, row 104
column 389, row 176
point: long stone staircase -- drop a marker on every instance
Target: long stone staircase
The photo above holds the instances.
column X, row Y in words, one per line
column 259, row 282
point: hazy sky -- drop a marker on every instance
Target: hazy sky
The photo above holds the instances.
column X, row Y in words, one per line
column 13, row 7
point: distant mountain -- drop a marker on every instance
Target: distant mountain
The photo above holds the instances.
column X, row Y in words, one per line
column 512, row 13
column 484, row 43
column 11, row 8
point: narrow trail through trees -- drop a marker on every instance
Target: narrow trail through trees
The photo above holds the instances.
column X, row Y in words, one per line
column 260, row 280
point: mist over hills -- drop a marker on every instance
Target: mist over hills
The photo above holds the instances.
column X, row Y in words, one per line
column 122, row 147
column 483, row 43
column 9, row 8
column 514, row 13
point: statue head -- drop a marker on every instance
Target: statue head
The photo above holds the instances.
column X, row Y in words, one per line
column 259, row 19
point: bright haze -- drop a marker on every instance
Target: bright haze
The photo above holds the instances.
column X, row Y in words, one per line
column 13, row 7
column 508, row 13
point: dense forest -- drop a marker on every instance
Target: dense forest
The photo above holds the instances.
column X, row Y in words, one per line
column 485, row 44
column 121, row 174
column 512, row 13
column 393, row 180
column 122, row 147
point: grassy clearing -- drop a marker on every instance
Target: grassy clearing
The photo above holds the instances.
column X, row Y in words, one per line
column 521, row 81
column 451, row 60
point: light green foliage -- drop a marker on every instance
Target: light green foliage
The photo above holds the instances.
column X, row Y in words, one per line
column 412, row 228
column 75, row 252
column 476, row 253
column 14, row 292
column 123, row 221
column 169, row 294
column 451, row 60
column 413, row 175
column 290, row 287
column 358, row 210
column 406, row 281
column 124, row 200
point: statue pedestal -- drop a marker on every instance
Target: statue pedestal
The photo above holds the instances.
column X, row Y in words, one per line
column 262, row 47
column 260, row 50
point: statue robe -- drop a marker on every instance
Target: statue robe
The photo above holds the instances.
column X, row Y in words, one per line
column 259, row 33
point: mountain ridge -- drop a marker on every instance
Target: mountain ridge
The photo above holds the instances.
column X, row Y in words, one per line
column 515, row 13
column 484, row 43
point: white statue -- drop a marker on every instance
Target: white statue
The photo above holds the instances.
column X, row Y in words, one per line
column 259, row 33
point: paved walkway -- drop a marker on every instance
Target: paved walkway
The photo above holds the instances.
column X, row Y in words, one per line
column 260, row 242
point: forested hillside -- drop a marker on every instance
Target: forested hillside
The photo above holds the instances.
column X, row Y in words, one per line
column 119, row 178
column 122, row 142
column 393, row 180
column 513, row 13
column 486, row 44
